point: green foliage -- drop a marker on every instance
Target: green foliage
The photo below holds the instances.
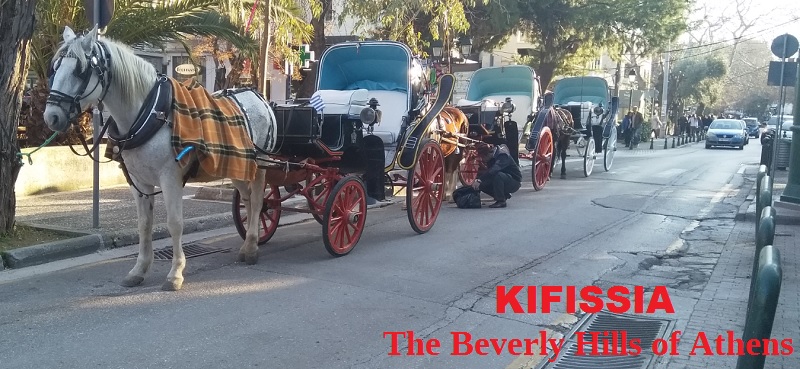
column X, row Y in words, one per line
column 401, row 20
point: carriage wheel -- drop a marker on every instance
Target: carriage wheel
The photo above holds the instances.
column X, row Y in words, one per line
column 425, row 187
column 542, row 159
column 609, row 149
column 318, row 195
column 468, row 169
column 345, row 214
column 589, row 157
column 268, row 217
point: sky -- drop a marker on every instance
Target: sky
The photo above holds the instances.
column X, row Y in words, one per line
column 772, row 18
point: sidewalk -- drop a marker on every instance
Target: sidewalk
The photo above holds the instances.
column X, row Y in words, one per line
column 206, row 206
column 723, row 303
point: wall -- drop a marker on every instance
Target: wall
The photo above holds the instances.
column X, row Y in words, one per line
column 57, row 169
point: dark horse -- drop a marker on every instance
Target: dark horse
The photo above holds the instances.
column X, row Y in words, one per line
column 562, row 126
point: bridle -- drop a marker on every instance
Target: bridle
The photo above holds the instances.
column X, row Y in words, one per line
column 98, row 63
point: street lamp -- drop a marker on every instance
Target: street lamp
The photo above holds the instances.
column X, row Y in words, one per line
column 466, row 46
column 436, row 48
column 631, row 79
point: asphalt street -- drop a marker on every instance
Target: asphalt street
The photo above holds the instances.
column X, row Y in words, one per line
column 657, row 218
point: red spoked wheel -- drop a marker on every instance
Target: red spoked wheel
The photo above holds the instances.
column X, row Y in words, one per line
column 320, row 187
column 268, row 218
column 345, row 214
column 425, row 187
column 542, row 159
column 469, row 167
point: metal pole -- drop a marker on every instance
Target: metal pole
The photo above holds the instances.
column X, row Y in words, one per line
column 666, row 86
column 96, row 123
column 792, row 191
column 780, row 115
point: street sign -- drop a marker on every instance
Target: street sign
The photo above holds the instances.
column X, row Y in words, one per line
column 789, row 78
column 784, row 46
column 106, row 10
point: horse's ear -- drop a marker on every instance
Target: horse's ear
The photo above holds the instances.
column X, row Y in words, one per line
column 68, row 34
column 89, row 40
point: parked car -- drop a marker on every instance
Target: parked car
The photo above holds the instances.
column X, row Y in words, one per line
column 786, row 129
column 752, row 127
column 772, row 123
column 727, row 132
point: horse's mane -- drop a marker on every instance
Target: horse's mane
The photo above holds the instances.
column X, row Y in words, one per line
column 132, row 75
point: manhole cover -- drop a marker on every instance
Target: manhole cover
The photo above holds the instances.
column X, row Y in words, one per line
column 189, row 250
column 610, row 328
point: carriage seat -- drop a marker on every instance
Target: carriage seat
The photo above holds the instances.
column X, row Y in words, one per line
column 585, row 109
column 393, row 107
column 347, row 102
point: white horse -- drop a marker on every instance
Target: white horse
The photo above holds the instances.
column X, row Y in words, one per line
column 88, row 70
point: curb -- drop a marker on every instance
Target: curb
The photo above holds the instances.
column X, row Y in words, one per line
column 91, row 243
column 51, row 251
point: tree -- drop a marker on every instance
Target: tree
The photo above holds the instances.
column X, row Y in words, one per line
column 136, row 22
column 16, row 31
column 695, row 80
column 568, row 32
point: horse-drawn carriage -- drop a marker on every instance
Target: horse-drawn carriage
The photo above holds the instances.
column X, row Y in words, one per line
column 369, row 117
column 499, row 103
column 325, row 149
column 579, row 111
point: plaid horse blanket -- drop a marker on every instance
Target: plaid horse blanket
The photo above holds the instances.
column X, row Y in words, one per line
column 217, row 129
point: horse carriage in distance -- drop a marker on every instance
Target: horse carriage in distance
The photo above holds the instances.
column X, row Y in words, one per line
column 499, row 104
column 371, row 116
column 580, row 111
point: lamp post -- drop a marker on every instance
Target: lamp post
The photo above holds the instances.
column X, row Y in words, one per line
column 465, row 44
column 631, row 79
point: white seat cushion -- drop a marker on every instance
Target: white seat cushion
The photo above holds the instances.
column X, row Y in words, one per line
column 393, row 107
column 347, row 102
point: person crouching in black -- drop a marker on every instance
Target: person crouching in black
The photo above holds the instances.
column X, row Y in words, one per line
column 502, row 178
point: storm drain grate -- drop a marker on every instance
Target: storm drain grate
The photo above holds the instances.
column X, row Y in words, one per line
column 645, row 329
column 190, row 250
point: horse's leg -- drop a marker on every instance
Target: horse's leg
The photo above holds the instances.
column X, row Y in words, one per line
column 564, row 144
column 173, row 199
column 450, row 174
column 144, row 210
column 253, row 197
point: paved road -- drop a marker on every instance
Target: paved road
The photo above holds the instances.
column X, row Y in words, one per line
column 658, row 218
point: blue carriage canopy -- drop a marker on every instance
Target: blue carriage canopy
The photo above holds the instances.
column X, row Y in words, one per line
column 581, row 89
column 505, row 80
column 375, row 66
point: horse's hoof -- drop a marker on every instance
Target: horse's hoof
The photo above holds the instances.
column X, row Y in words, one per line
column 563, row 176
column 172, row 285
column 132, row 281
column 249, row 259
column 240, row 258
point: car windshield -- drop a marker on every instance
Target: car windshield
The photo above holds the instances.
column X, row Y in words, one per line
column 725, row 124
column 787, row 125
column 751, row 122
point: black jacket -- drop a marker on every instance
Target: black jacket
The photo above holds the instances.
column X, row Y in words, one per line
column 501, row 162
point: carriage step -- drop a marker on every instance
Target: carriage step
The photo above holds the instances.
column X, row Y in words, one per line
column 190, row 251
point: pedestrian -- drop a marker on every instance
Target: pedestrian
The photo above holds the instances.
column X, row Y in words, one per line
column 694, row 123
column 626, row 129
column 656, row 125
column 637, row 119
column 502, row 178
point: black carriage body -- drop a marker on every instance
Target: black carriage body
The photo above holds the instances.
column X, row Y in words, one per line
column 303, row 132
column 480, row 121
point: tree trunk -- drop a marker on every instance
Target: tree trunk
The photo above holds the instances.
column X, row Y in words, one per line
column 16, row 29
column 546, row 71
column 264, row 62
column 617, row 77
column 309, row 82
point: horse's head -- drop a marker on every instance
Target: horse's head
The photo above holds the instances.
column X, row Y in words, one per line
column 79, row 77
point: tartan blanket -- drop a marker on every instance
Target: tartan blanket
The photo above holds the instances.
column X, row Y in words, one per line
column 217, row 129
